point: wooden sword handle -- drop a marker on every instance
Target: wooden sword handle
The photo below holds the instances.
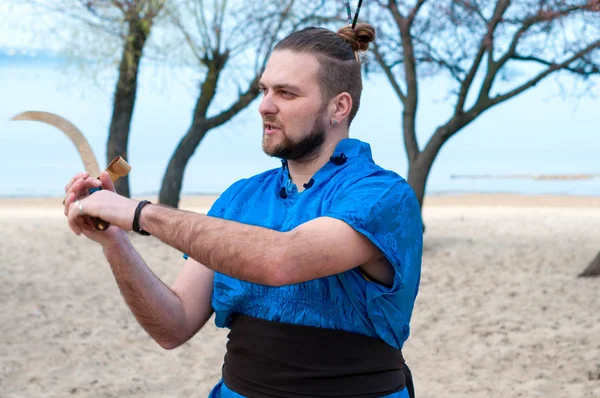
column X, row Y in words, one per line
column 116, row 169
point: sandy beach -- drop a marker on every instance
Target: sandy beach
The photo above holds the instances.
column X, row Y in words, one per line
column 500, row 313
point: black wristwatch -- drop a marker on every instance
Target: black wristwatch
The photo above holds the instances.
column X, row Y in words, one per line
column 136, row 218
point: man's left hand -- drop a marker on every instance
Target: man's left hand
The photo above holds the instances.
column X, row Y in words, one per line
column 105, row 204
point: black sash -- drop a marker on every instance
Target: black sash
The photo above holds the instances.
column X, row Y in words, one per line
column 270, row 359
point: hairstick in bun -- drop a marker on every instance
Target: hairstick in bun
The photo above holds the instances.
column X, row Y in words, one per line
column 349, row 11
column 356, row 15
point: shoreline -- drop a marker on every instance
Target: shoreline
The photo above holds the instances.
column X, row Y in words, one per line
column 432, row 200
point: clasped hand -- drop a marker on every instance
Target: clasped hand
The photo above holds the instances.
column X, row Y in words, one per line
column 81, row 207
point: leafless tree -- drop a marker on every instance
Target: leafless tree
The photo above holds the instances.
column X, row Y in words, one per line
column 478, row 44
column 225, row 38
column 129, row 23
column 593, row 269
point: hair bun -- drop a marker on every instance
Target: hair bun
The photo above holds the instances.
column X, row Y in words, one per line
column 359, row 37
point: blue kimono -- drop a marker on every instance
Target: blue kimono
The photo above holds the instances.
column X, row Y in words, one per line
column 351, row 187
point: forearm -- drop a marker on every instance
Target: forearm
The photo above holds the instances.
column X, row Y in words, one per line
column 156, row 307
column 221, row 245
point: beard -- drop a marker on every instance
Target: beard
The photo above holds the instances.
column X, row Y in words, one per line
column 306, row 148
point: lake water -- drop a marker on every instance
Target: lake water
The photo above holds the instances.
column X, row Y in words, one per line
column 538, row 132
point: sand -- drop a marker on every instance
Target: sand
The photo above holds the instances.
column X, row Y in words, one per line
column 500, row 313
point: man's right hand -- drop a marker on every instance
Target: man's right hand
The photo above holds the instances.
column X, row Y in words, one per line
column 171, row 315
column 78, row 188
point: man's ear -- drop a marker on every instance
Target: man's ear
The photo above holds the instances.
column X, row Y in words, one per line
column 340, row 106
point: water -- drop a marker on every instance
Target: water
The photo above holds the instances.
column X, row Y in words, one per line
column 536, row 133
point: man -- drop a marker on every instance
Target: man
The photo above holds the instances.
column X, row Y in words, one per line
column 314, row 266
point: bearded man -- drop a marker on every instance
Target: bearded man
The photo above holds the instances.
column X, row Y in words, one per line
column 313, row 266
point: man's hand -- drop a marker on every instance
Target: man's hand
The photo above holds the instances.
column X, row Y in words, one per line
column 77, row 193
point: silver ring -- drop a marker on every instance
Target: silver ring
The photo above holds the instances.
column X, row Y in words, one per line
column 80, row 206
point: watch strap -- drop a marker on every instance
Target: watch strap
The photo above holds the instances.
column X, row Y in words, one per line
column 136, row 218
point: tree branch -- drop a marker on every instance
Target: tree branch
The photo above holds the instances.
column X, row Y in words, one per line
column 580, row 70
column 268, row 36
column 512, row 48
column 242, row 101
column 191, row 43
column 454, row 70
column 218, row 23
column 472, row 6
column 203, row 25
column 388, row 72
column 527, row 23
column 209, row 86
column 411, row 99
column 551, row 15
column 153, row 9
column 460, row 120
column 115, row 3
column 432, row 55
column 113, row 26
column 485, row 45
column 414, row 11
column 552, row 68
column 396, row 14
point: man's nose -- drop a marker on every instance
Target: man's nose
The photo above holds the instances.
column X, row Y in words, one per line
column 267, row 106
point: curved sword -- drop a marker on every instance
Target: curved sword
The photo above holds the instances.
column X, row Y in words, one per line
column 81, row 144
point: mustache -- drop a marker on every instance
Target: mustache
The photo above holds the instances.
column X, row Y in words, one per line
column 272, row 121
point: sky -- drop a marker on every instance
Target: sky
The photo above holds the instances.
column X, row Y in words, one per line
column 538, row 132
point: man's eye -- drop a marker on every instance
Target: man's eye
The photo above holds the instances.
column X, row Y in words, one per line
column 287, row 94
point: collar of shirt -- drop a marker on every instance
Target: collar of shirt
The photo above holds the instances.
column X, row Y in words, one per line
column 346, row 150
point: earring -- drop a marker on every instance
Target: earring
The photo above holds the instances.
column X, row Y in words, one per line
column 334, row 122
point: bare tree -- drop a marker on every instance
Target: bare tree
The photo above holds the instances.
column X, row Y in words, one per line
column 478, row 45
column 225, row 38
column 129, row 22
column 593, row 269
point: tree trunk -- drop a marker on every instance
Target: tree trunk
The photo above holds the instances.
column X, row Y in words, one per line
column 593, row 269
column 173, row 180
column 420, row 165
column 418, row 172
column 124, row 98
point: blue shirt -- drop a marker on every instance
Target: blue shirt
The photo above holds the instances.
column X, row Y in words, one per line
column 375, row 202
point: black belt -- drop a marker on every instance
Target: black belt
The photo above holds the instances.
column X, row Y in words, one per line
column 271, row 359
